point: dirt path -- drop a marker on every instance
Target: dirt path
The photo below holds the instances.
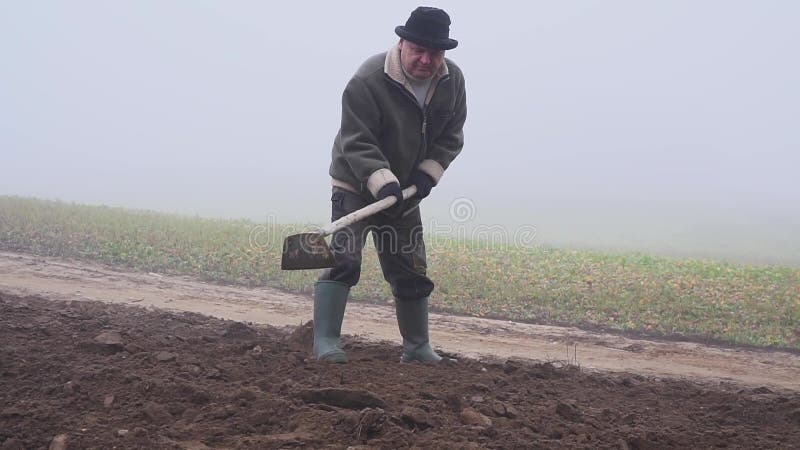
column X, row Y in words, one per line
column 61, row 279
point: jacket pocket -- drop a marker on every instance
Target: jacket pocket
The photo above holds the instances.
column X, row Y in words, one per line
column 437, row 121
column 337, row 198
column 337, row 204
column 443, row 114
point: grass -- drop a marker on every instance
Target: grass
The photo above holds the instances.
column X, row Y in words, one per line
column 734, row 303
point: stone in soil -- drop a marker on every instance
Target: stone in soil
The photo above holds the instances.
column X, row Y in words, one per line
column 165, row 356
column 59, row 442
column 470, row 416
column 109, row 342
column 416, row 417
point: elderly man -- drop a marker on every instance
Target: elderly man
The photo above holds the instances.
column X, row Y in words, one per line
column 402, row 118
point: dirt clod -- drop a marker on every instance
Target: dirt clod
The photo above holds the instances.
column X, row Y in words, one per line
column 156, row 413
column 301, row 338
column 470, row 416
column 568, row 411
column 504, row 410
column 416, row 417
column 59, row 442
column 238, row 330
column 343, row 398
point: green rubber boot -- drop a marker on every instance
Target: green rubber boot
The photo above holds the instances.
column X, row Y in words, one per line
column 330, row 299
column 412, row 317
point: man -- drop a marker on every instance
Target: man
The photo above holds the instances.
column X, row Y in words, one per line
column 402, row 118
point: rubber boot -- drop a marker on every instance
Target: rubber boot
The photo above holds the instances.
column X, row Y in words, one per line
column 412, row 317
column 330, row 299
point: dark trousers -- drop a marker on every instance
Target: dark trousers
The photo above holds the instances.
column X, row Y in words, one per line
column 399, row 243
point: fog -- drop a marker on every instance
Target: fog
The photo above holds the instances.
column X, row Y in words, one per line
column 669, row 127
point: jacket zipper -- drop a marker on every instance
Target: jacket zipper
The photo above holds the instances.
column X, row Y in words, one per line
column 423, row 109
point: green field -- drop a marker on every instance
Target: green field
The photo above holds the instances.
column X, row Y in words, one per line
column 734, row 303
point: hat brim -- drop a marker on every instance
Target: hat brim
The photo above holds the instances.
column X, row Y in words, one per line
column 438, row 44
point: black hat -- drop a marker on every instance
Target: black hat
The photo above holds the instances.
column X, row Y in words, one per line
column 428, row 27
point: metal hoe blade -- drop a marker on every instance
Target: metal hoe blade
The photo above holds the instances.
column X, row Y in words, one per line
column 306, row 251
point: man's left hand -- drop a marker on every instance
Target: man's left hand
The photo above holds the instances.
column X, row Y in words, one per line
column 423, row 182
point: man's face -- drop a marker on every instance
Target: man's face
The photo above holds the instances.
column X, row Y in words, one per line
column 421, row 62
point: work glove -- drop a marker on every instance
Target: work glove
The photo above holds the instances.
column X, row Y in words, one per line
column 423, row 182
column 392, row 189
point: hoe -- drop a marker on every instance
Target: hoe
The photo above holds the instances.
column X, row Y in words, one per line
column 310, row 251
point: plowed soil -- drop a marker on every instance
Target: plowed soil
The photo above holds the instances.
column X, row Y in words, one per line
column 87, row 374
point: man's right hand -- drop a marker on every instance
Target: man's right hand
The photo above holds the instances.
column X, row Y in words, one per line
column 392, row 189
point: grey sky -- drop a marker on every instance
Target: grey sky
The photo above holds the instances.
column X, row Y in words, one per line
column 620, row 124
